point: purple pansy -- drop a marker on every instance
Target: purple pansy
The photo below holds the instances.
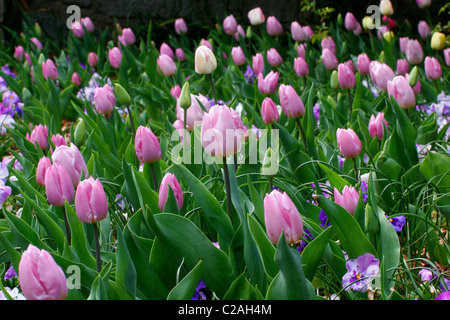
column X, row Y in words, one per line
column 198, row 294
column 397, row 222
column 360, row 272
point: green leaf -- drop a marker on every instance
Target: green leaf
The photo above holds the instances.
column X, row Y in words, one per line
column 313, row 253
column 185, row 289
column 125, row 270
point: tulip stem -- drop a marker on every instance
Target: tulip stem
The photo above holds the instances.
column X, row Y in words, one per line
column 355, row 168
column 228, row 189
column 66, row 223
column 350, row 103
column 211, row 81
column 299, row 123
column 97, row 247
column 131, row 121
column 155, row 185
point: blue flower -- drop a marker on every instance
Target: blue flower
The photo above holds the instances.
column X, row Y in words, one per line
column 397, row 222
column 198, row 294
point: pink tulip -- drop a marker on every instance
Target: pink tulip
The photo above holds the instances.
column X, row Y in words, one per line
column 414, row 52
column 179, row 53
column 291, row 103
column 403, row 43
column 91, row 204
column 240, row 32
column 170, row 180
column 258, row 63
column 308, row 31
column 77, row 29
column 180, row 26
column 104, row 99
column 18, row 52
column 147, row 146
column 206, row 43
column 301, row 50
column 328, row 43
column 273, row 26
column 297, row 32
column 40, row 277
column 380, row 74
column 195, row 112
column 424, row 29
column 423, row 3
column 222, row 132
column 36, row 43
column 348, row 199
column 301, row 68
column 58, row 140
column 256, row 16
column 402, row 66
column 230, row 25
column 76, row 80
column 346, row 77
column 401, row 91
column 127, row 38
column 115, row 57
column 447, row 56
column 363, row 64
column 268, row 84
column 273, row 57
column 88, row 25
column 281, row 215
column 376, row 126
column 71, row 159
column 49, row 70
column 348, row 142
column 350, row 21
column 269, row 111
column 329, row 59
column 175, row 91
column 43, row 164
column 238, row 56
column 358, row 29
column 39, row 135
column 166, row 49
column 92, row 59
column 167, row 65
column 433, row 68
column 58, row 186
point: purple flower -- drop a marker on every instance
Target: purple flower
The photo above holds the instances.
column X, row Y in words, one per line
column 316, row 111
column 303, row 243
column 10, row 273
column 5, row 69
column 5, row 191
column 250, row 75
column 398, row 222
column 256, row 131
column 443, row 296
column 364, row 190
column 360, row 272
column 426, row 275
column 6, row 110
column 324, row 219
column 10, row 98
column 198, row 294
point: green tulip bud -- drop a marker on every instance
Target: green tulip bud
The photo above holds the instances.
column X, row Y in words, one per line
column 122, row 94
column 248, row 33
column 340, row 20
column 270, row 163
column 37, row 28
column 80, row 133
column 334, row 80
column 185, row 96
column 381, row 57
column 413, row 77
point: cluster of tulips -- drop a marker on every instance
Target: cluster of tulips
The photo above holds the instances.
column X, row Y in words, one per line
column 256, row 163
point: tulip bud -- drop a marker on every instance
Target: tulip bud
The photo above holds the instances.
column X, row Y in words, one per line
column 268, row 84
column 334, row 80
column 433, row 68
column 205, row 60
column 80, row 132
column 273, row 57
column 185, row 97
column 281, row 215
column 298, row 34
column 256, row 16
column 346, row 77
column 301, row 68
column 424, row 29
column 402, row 66
column 180, row 26
column 37, row 29
column 104, row 99
column 376, row 128
column 423, row 3
column 91, row 204
column 270, row 164
column 350, row 21
column 230, row 25
column 40, row 277
column 402, row 92
column 18, row 52
column 368, row 23
column 340, row 20
column 58, row 140
column 122, row 95
column 127, row 38
column 348, row 142
column 170, row 180
column 180, row 54
column 258, row 63
column 88, row 25
column 37, row 44
column 328, row 43
column 146, row 145
column 414, row 52
column 386, row 8
column 58, row 186
column 348, row 199
column 414, row 81
column 49, row 70
column 76, row 80
column 92, row 59
column 363, row 64
column 269, row 111
column 43, row 164
column 167, row 65
column 115, row 57
column 77, row 29
column 380, row 74
column 329, row 59
column 39, row 135
column 291, row 103
column 72, row 160
column 166, row 49
column 447, row 56
column 438, row 41
column 238, row 56
column 273, row 26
